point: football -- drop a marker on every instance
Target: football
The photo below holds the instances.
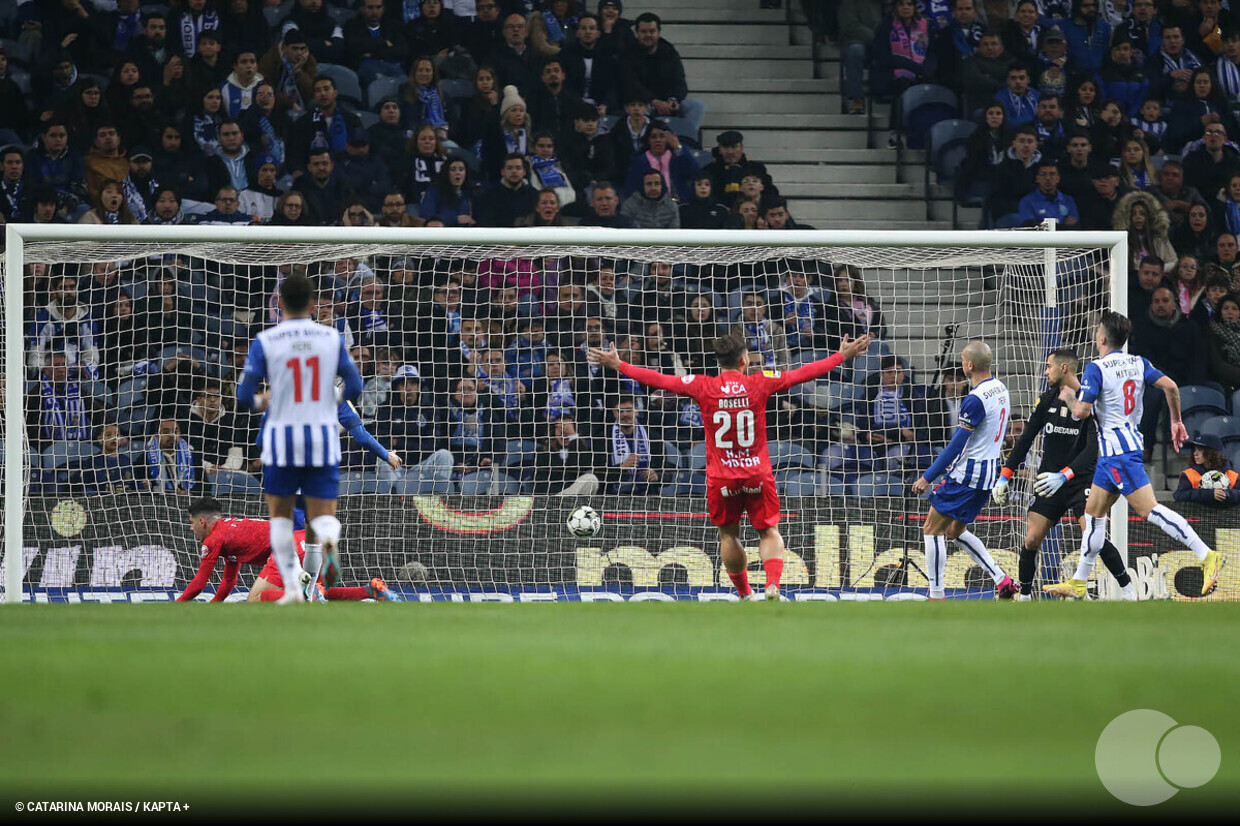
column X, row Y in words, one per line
column 585, row 522
column 1215, row 479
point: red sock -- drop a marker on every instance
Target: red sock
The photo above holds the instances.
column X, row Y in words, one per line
column 270, row 596
column 774, row 570
column 348, row 594
column 741, row 581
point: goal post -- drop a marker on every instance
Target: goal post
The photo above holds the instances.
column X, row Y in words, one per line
column 844, row 484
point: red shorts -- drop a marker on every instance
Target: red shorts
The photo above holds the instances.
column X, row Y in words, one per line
column 271, row 571
column 729, row 499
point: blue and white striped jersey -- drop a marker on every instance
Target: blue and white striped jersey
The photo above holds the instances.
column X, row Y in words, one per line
column 1115, row 386
column 300, row 360
column 984, row 412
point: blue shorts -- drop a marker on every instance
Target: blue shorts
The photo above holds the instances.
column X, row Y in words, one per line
column 316, row 482
column 1123, row 474
column 960, row 502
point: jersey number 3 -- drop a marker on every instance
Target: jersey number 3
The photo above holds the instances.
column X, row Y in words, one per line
column 294, row 365
column 744, row 429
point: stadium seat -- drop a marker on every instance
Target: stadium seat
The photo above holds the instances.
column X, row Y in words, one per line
column 1235, row 403
column 697, row 457
column 367, row 118
column 457, row 88
column 235, row 483
column 19, row 53
column 347, row 84
column 354, row 482
column 923, row 106
column 131, row 393
column 65, row 454
column 946, row 150
column 489, row 483
column 671, row 455
column 341, row 15
column 1226, row 428
column 518, row 452
column 870, row 485
column 1232, row 452
column 697, row 484
column 275, row 14
column 414, row 485
column 1200, row 403
column 607, row 122
column 796, row 482
column 831, row 485
column 380, row 88
column 20, row 78
column 790, row 455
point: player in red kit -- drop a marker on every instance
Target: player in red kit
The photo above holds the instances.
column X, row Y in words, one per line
column 248, row 542
column 739, row 478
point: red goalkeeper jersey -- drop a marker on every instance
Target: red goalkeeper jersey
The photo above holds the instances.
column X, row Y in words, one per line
column 239, row 542
column 734, row 411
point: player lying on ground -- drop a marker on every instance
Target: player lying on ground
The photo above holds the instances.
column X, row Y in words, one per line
column 971, row 461
column 1069, row 454
column 1112, row 392
column 301, row 444
column 248, row 542
column 739, row 477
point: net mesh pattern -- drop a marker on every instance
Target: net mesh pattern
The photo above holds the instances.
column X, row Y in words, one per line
column 474, row 364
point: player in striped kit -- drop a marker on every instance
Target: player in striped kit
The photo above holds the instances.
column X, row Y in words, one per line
column 300, row 360
column 1111, row 391
column 971, row 460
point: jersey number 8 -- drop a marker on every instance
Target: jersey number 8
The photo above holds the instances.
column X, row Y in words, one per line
column 1130, row 396
column 744, row 429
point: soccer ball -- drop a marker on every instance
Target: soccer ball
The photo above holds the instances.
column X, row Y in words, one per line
column 1214, row 480
column 585, row 522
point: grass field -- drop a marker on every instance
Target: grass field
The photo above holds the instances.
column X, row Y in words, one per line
column 992, row 709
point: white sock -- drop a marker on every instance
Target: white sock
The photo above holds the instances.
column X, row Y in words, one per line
column 1174, row 526
column 312, row 562
column 1092, row 540
column 936, row 564
column 326, row 530
column 975, row 549
column 284, row 549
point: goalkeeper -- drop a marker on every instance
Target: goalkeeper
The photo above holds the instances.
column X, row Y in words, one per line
column 1069, row 452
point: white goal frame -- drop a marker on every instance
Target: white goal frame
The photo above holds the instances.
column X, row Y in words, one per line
column 17, row 235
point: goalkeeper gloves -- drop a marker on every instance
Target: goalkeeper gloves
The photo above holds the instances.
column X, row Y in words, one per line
column 1000, row 491
column 1048, row 483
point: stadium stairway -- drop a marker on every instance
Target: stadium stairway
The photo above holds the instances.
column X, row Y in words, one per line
column 757, row 71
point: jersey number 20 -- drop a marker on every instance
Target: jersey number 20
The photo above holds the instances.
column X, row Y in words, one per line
column 294, row 365
column 744, row 421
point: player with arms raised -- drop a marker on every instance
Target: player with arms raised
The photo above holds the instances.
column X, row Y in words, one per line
column 971, row 461
column 300, row 360
column 1069, row 454
column 1111, row 391
column 739, row 477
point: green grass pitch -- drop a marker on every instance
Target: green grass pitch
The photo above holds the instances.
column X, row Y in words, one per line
column 977, row 707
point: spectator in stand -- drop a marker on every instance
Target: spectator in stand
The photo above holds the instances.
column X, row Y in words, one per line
column 546, row 170
column 1135, row 169
column 65, row 410
column 367, row 175
column 984, row 75
column 514, row 133
column 1052, row 141
column 1208, row 167
column 565, row 466
column 1208, row 457
column 323, row 36
column 1174, row 345
column 1098, row 206
column 124, row 77
column 902, row 57
column 765, row 335
column 665, row 155
column 1224, row 337
column 1013, row 177
column 327, row 126
column 227, row 209
column 107, row 159
column 552, row 104
column 604, row 209
column 1226, row 252
column 1170, row 70
column 291, row 69
column 219, row 438
column 1227, row 206
column 15, row 205
column 177, row 165
column 430, row 33
column 850, row 310
column 205, row 122
column 140, row 187
column 745, row 214
column 140, row 121
column 167, row 209
column 1174, row 195
column 429, row 156
column 1204, row 27
column 705, row 211
column 1076, row 169
column 65, row 326
column 777, row 216
column 591, row 67
column 1085, row 105
column 546, row 211
column 516, row 60
column 1050, row 69
column 984, row 150
column 656, row 74
column 266, row 125
column 14, row 109
column 1146, row 222
column 1150, row 123
column 956, row 43
column 471, row 123
column 45, row 201
column 205, row 70
column 374, row 45
column 632, row 466
column 1023, row 31
column 858, row 20
column 659, row 298
column 243, row 25
column 232, row 164
column 484, row 36
column 652, row 207
column 238, row 89
column 325, row 190
column 151, row 49
column 629, row 135
column 730, row 164
column 1200, row 109
column 193, row 19
column 261, row 196
column 1227, row 68
column 1143, row 29
column 109, row 206
column 52, row 163
column 1020, row 103
column 1046, row 201
column 510, row 198
column 1188, row 284
column 804, row 314
column 1196, row 236
column 1089, row 37
column 588, row 154
column 452, row 196
column 617, row 31
column 1150, row 276
column 409, row 424
column 171, row 466
column 422, row 99
column 1122, row 78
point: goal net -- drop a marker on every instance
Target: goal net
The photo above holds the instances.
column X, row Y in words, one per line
column 472, row 347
